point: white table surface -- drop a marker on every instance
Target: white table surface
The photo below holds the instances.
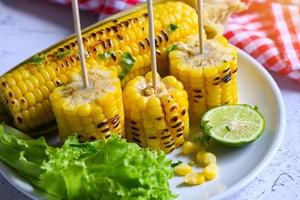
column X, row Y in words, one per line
column 27, row 27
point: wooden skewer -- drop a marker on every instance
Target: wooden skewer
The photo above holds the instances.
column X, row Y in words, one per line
column 77, row 28
column 152, row 43
column 200, row 23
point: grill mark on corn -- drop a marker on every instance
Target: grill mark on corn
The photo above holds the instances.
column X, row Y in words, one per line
column 120, row 37
column 134, row 128
column 165, row 137
column 177, row 125
column 135, row 134
column 217, row 83
column 165, row 35
column 235, row 71
column 133, row 122
column 170, row 145
column 101, row 124
column 174, row 119
column 117, row 124
column 226, row 70
column 159, row 118
column 198, row 96
column 173, row 108
column 179, row 135
column 227, row 78
column 180, row 129
column 156, row 42
column 105, row 130
column 107, row 136
column 114, row 57
column 152, row 137
column 142, row 45
column 136, row 140
column 19, row 119
column 160, row 38
column 148, row 41
column 197, row 90
column 114, row 28
column 92, row 138
column 158, row 52
column 109, row 42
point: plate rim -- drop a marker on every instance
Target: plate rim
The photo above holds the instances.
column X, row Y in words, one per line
column 277, row 140
column 250, row 176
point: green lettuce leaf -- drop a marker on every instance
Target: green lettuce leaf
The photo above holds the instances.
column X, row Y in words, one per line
column 112, row 169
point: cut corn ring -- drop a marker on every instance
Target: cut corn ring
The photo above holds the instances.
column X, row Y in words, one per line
column 156, row 118
column 95, row 112
column 209, row 78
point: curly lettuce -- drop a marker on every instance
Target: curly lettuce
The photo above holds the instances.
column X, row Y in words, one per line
column 112, row 169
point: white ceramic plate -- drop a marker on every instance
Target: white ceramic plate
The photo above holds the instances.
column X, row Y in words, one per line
column 237, row 166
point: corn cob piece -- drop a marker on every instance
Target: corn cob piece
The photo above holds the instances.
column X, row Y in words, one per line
column 210, row 78
column 156, row 119
column 120, row 44
column 95, row 112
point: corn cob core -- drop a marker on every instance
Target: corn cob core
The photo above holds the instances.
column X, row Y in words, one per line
column 210, row 78
column 95, row 112
column 156, row 118
column 25, row 90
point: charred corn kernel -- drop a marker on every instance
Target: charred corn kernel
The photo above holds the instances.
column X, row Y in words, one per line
column 156, row 118
column 209, row 78
column 194, row 179
column 189, row 147
column 182, row 170
column 82, row 110
column 210, row 171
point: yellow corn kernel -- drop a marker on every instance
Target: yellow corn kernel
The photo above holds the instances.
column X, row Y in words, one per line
column 210, row 171
column 206, row 157
column 189, row 147
column 30, row 98
column 182, row 170
column 194, row 179
column 84, row 110
column 209, row 158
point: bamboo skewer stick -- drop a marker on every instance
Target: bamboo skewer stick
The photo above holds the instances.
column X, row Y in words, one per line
column 200, row 23
column 77, row 28
column 152, row 43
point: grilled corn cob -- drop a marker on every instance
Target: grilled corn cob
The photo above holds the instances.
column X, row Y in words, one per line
column 210, row 78
column 95, row 112
column 120, row 44
column 156, row 119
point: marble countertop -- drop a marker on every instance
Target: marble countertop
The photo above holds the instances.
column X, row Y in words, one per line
column 29, row 26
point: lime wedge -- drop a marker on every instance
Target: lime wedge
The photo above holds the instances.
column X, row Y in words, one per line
column 233, row 125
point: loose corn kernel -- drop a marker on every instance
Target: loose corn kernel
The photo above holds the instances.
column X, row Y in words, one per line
column 182, row 170
column 194, row 179
column 199, row 156
column 209, row 158
column 189, row 148
column 210, row 171
column 206, row 157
